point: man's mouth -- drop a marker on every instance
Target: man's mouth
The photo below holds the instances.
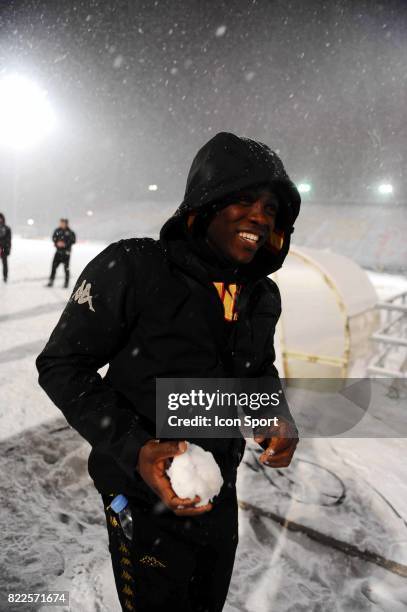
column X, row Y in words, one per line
column 250, row 238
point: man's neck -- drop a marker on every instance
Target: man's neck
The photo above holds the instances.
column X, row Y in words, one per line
column 222, row 260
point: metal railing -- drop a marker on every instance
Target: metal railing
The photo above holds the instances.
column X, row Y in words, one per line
column 391, row 360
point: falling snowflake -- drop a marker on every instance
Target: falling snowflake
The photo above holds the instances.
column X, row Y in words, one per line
column 105, row 422
column 220, row 31
column 118, row 61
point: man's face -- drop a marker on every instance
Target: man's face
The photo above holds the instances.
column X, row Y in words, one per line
column 63, row 225
column 240, row 229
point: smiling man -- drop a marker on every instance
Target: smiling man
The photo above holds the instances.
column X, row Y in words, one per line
column 197, row 303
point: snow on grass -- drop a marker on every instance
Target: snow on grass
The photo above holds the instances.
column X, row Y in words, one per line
column 52, row 519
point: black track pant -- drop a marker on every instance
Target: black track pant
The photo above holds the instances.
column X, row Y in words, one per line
column 5, row 266
column 174, row 563
column 60, row 257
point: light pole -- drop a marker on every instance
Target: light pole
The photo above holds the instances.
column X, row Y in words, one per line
column 26, row 118
column 304, row 187
column 385, row 189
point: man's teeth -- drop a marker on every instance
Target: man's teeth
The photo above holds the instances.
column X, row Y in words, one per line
column 251, row 237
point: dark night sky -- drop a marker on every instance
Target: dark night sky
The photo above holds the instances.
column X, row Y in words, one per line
column 138, row 87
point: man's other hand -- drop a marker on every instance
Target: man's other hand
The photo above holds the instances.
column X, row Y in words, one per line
column 154, row 460
column 279, row 444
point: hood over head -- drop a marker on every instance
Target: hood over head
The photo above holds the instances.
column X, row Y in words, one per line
column 228, row 164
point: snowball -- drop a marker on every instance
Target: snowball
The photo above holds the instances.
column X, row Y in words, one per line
column 195, row 472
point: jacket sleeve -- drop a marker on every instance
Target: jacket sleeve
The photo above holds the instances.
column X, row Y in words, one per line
column 8, row 242
column 73, row 238
column 55, row 237
column 268, row 369
column 93, row 327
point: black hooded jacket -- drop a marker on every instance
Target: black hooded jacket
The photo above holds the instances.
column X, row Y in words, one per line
column 149, row 309
column 67, row 236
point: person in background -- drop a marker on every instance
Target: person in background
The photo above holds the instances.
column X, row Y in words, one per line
column 5, row 245
column 63, row 238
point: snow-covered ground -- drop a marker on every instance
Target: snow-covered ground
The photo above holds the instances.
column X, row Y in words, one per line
column 347, row 491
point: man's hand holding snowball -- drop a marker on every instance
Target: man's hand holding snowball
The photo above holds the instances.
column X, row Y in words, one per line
column 153, row 462
column 279, row 443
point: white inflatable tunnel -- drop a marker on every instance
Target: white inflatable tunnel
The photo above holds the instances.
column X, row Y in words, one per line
column 328, row 315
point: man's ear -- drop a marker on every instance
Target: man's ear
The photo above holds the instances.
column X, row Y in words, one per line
column 190, row 219
column 276, row 241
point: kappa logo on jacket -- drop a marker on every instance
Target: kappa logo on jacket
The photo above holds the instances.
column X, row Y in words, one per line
column 82, row 295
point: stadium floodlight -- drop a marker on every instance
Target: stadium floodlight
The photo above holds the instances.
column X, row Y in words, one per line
column 385, row 188
column 152, row 187
column 89, row 213
column 26, row 115
column 30, row 221
column 304, row 187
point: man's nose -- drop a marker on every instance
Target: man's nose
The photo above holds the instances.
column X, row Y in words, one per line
column 257, row 214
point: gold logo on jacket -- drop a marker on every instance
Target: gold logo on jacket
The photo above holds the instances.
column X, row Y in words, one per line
column 151, row 561
column 228, row 294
